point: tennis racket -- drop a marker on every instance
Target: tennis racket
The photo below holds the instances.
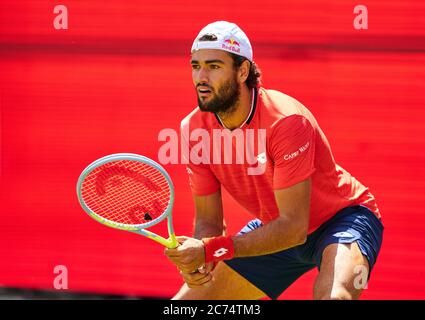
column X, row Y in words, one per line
column 128, row 192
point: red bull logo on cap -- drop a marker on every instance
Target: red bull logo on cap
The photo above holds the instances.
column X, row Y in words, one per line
column 231, row 45
column 232, row 42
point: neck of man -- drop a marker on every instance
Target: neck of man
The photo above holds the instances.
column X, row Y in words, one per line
column 239, row 113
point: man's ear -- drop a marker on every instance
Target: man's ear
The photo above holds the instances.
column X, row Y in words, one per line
column 244, row 71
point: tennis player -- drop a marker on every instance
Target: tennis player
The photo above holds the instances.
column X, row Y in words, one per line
column 309, row 212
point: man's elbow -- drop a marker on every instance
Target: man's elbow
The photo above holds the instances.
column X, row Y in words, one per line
column 296, row 231
column 300, row 234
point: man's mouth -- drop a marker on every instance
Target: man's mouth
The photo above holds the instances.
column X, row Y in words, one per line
column 203, row 91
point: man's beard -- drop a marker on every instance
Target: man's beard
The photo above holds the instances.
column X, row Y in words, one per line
column 224, row 100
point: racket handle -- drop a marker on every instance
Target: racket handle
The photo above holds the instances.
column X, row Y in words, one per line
column 173, row 242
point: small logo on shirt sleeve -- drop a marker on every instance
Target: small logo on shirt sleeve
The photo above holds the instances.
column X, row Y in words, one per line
column 295, row 154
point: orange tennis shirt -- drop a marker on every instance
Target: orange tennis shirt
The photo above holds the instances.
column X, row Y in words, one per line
column 279, row 145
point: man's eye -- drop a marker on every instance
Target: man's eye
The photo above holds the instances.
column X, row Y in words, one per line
column 195, row 67
column 214, row 66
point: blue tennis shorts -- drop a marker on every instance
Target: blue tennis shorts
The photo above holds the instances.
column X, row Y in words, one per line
column 274, row 273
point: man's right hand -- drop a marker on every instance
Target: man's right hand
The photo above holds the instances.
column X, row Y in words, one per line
column 200, row 278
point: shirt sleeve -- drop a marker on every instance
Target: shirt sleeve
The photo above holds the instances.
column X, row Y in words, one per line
column 202, row 180
column 292, row 147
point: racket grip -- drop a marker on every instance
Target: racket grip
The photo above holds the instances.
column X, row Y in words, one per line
column 173, row 242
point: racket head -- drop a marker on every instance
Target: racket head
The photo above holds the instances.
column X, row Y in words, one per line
column 126, row 191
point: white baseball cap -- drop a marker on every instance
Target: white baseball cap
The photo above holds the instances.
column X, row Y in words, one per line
column 229, row 38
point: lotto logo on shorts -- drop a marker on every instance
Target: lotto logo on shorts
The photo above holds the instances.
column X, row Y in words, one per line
column 343, row 235
column 218, row 253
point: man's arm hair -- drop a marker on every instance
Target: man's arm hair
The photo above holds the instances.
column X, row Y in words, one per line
column 286, row 231
column 208, row 216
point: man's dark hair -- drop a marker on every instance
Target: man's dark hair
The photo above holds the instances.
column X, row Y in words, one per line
column 254, row 76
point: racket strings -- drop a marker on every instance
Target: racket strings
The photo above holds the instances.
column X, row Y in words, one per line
column 126, row 192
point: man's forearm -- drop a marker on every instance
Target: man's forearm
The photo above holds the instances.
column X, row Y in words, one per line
column 277, row 235
column 206, row 230
column 209, row 220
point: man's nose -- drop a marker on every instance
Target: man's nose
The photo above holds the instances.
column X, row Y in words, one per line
column 203, row 76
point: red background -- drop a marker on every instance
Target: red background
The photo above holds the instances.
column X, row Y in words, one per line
column 120, row 74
